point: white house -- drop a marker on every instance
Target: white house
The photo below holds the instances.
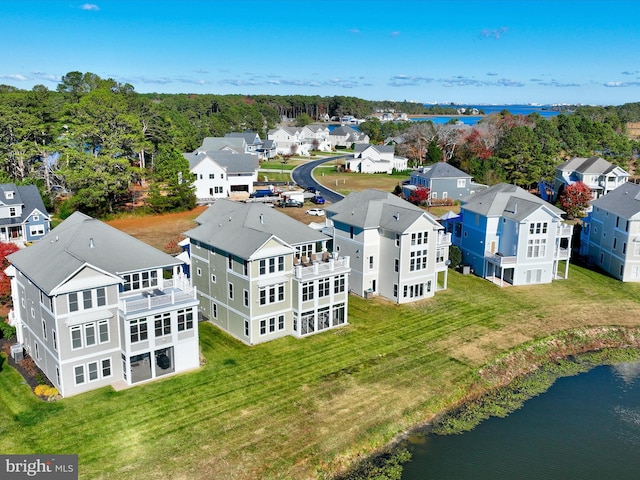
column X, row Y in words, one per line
column 95, row 307
column 512, row 237
column 397, row 250
column 368, row 158
column 317, row 136
column 610, row 236
column 290, row 141
column 345, row 136
column 598, row 174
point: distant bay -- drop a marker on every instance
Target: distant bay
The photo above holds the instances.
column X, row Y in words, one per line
column 544, row 110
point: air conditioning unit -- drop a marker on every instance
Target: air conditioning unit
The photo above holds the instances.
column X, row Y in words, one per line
column 17, row 352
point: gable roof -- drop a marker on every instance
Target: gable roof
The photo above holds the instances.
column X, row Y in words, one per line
column 361, row 147
column 592, row 165
column 251, row 138
column 242, row 228
column 343, row 131
column 231, row 162
column 624, row 201
column 209, row 144
column 377, row 209
column 441, row 170
column 505, row 200
column 82, row 240
column 26, row 195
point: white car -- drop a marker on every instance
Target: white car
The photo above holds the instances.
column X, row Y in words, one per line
column 318, row 212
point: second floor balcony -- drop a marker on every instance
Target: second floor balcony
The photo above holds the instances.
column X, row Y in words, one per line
column 174, row 291
column 500, row 259
column 443, row 239
column 319, row 265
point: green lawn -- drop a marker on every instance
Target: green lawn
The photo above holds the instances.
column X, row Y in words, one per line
column 305, row 408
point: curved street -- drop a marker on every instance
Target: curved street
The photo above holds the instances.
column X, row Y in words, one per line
column 303, row 176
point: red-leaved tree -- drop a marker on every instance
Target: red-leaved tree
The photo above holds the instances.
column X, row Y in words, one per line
column 5, row 283
column 574, row 199
column 419, row 196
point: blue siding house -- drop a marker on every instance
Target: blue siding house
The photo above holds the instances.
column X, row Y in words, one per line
column 444, row 181
column 23, row 217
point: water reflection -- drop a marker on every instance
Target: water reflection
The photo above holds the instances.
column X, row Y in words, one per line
column 584, row 427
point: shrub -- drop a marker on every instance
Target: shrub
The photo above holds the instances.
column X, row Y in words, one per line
column 50, row 392
column 40, row 390
column 6, row 330
column 455, row 256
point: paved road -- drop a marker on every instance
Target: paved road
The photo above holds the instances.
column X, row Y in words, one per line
column 302, row 176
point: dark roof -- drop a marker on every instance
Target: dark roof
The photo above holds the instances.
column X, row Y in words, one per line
column 505, row 200
column 26, row 195
column 441, row 170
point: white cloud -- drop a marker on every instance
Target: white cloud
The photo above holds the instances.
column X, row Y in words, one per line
column 493, row 33
column 89, row 7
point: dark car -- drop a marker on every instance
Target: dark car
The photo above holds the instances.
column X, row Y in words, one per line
column 317, row 199
column 290, row 203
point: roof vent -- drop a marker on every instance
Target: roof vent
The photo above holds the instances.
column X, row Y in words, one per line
column 262, row 219
column 397, row 216
column 91, row 243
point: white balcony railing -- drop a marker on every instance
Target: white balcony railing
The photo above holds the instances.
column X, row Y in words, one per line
column 444, row 239
column 500, row 259
column 173, row 291
column 319, row 267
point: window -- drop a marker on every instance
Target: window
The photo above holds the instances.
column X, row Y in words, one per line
column 418, row 260
column 213, row 279
column 106, row 367
column 212, row 176
column 339, row 284
column 245, row 297
column 271, row 294
column 440, row 255
column 245, row 268
column 90, row 334
column 92, row 370
column 162, row 324
column 307, row 291
column 371, row 261
column 396, row 264
column 395, row 289
column 214, row 310
column 101, row 297
column 281, row 322
column 12, row 211
column 324, row 287
column 536, row 247
column 397, row 239
column 73, row 302
column 185, row 320
column 76, row 338
column 103, row 331
column 230, row 294
column 230, row 262
column 79, row 374
column 54, row 339
column 615, row 243
column 246, row 328
column 537, row 228
column 338, row 314
column 138, row 330
column 36, row 230
column 86, row 300
column 462, row 182
column 37, row 348
column 44, row 329
column 135, row 281
column 46, row 301
column 199, row 271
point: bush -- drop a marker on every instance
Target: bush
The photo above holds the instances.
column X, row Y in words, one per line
column 40, row 390
column 455, row 256
column 6, row 330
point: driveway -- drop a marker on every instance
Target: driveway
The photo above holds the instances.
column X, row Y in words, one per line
column 303, row 177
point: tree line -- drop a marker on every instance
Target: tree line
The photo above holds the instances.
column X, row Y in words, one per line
column 92, row 143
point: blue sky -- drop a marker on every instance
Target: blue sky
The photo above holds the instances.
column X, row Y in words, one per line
column 463, row 51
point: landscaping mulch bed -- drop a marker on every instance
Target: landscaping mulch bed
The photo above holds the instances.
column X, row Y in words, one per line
column 32, row 375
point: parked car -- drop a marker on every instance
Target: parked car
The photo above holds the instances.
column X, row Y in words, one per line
column 290, row 203
column 317, row 199
column 318, row 212
column 261, row 194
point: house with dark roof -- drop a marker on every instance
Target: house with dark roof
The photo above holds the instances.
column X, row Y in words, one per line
column 512, row 237
column 397, row 250
column 610, row 236
column 221, row 167
column 23, row 216
column 368, row 158
column 261, row 275
column 597, row 173
column 444, row 181
column 94, row 306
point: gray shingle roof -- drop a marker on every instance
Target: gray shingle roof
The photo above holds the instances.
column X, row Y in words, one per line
column 375, row 208
column 506, row 200
column 231, row 162
column 26, row 195
column 242, row 228
column 592, row 165
column 624, row 201
column 441, row 170
column 81, row 240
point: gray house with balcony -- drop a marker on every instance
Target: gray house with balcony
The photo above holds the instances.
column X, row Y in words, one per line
column 397, row 250
column 597, row 173
column 261, row 275
column 23, row 216
column 93, row 307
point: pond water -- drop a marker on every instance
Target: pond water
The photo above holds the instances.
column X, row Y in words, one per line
column 584, row 427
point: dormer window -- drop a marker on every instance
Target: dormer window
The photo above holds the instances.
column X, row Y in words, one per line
column 8, row 195
column 12, row 211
